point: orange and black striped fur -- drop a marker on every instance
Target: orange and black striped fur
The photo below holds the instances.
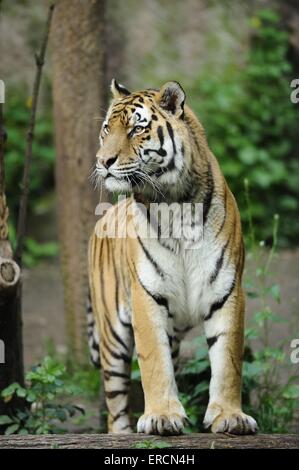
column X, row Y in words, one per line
column 147, row 291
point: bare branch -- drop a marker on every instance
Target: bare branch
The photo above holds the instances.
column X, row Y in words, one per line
column 40, row 58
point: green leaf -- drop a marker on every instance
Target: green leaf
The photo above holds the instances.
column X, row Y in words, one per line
column 31, row 397
column 61, row 414
column 292, row 391
column 252, row 369
column 252, row 294
column 10, row 390
column 4, row 419
column 251, row 333
column 11, row 429
column 275, row 292
column 23, row 432
column 21, row 392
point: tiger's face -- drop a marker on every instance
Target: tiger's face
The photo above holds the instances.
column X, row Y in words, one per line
column 142, row 140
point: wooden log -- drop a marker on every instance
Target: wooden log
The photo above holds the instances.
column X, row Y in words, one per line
column 9, row 274
column 129, row 441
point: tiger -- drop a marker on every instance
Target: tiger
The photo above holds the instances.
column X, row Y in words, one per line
column 148, row 291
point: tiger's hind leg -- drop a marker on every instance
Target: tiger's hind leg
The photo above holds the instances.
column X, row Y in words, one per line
column 116, row 352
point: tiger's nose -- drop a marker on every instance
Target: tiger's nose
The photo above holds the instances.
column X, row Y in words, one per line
column 108, row 162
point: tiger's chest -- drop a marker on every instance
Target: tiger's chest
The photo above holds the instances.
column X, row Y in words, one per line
column 190, row 279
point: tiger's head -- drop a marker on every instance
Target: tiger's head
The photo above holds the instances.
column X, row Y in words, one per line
column 143, row 140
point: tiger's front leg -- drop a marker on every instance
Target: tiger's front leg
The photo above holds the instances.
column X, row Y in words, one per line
column 163, row 413
column 224, row 325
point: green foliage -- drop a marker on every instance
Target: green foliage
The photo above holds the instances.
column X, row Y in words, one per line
column 252, row 127
column 87, row 379
column 274, row 399
column 193, row 380
column 148, row 444
column 33, row 251
column 40, row 411
column 17, row 113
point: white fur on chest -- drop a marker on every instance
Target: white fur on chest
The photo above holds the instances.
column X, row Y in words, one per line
column 186, row 282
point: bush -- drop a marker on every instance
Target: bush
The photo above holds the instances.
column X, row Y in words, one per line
column 251, row 126
column 41, row 411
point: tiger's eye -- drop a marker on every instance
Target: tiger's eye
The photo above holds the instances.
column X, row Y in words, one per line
column 138, row 129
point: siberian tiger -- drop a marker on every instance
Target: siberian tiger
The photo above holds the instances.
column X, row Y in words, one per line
column 147, row 291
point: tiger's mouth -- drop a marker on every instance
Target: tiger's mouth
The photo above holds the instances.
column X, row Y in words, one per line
column 117, row 184
column 138, row 179
column 131, row 178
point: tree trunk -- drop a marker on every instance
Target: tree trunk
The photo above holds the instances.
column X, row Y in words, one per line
column 79, row 94
column 290, row 15
column 11, row 347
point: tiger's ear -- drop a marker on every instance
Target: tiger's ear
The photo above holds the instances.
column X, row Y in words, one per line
column 172, row 99
column 118, row 90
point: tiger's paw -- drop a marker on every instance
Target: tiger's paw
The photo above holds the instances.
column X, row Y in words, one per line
column 229, row 420
column 164, row 425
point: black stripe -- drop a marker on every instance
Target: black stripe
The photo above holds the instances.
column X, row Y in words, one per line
column 121, row 356
column 106, row 335
column 103, row 291
column 115, row 335
column 170, row 131
column 219, row 264
column 175, row 353
column 137, row 105
column 95, row 362
column 209, row 194
column 113, row 332
column 212, row 340
column 123, row 412
column 162, row 301
column 160, row 135
column 113, row 373
column 105, row 358
column 170, row 165
column 117, row 295
column 151, row 260
column 160, row 151
column 219, row 303
column 115, row 393
column 125, row 324
column 224, row 217
column 167, row 247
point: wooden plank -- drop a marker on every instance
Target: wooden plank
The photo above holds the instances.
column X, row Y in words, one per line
column 129, row 441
